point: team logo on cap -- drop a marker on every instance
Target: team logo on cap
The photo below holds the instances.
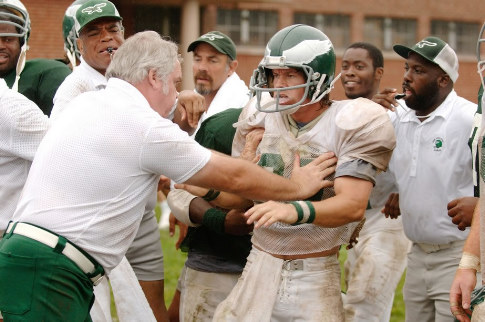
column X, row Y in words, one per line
column 93, row 9
column 424, row 43
column 438, row 144
column 212, row 37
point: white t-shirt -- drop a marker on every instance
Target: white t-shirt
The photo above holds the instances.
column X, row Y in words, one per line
column 432, row 164
column 98, row 165
column 22, row 127
column 83, row 79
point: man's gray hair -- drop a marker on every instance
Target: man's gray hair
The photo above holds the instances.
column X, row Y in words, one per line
column 139, row 54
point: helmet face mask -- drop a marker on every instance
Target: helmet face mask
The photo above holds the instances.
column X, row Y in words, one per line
column 266, row 85
column 301, row 47
column 13, row 12
column 481, row 54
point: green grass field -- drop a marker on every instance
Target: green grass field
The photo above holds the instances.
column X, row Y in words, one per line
column 174, row 261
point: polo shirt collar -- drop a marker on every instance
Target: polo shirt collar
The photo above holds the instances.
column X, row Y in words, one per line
column 97, row 78
column 443, row 110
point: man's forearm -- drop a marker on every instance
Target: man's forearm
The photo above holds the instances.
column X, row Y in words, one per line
column 197, row 209
column 472, row 244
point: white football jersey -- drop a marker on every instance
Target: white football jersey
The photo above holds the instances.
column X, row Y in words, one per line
column 352, row 129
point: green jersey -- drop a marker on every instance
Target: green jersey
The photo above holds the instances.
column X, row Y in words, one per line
column 39, row 81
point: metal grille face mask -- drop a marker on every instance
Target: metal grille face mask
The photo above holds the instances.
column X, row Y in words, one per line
column 481, row 54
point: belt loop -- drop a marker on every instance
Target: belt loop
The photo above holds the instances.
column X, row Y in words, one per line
column 61, row 244
column 6, row 234
column 98, row 270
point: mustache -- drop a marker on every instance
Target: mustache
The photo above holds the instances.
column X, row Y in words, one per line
column 405, row 86
column 203, row 75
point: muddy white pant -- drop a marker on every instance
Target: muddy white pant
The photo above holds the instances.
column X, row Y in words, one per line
column 272, row 289
column 373, row 270
column 201, row 292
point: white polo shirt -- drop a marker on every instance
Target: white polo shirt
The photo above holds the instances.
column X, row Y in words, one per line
column 22, row 127
column 432, row 164
column 83, row 79
column 98, row 165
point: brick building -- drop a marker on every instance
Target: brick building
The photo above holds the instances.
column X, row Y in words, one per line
column 250, row 23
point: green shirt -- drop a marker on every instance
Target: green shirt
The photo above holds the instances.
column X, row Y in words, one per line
column 207, row 250
column 39, row 81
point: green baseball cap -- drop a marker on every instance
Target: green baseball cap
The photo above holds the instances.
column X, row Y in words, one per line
column 221, row 42
column 436, row 51
column 95, row 9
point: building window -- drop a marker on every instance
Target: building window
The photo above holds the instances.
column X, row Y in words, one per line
column 386, row 32
column 336, row 27
column 164, row 20
column 461, row 36
column 248, row 27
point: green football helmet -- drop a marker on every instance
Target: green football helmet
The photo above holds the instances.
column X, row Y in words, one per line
column 481, row 54
column 69, row 32
column 301, row 47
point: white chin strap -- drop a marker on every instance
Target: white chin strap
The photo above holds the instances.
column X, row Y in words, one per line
column 480, row 70
column 71, row 55
column 317, row 97
column 20, row 65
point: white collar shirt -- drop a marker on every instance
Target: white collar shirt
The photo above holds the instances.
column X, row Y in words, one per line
column 22, row 127
column 84, row 78
column 432, row 164
column 98, row 165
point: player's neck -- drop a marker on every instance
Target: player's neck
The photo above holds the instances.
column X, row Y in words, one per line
column 209, row 98
column 308, row 113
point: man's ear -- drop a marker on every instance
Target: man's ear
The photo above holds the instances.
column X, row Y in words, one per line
column 153, row 79
column 232, row 67
column 444, row 80
column 379, row 72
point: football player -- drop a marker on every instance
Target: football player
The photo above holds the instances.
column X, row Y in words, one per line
column 295, row 244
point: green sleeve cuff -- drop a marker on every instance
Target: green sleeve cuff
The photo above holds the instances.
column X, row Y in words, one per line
column 214, row 220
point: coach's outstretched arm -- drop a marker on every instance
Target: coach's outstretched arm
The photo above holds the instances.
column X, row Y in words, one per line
column 253, row 182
